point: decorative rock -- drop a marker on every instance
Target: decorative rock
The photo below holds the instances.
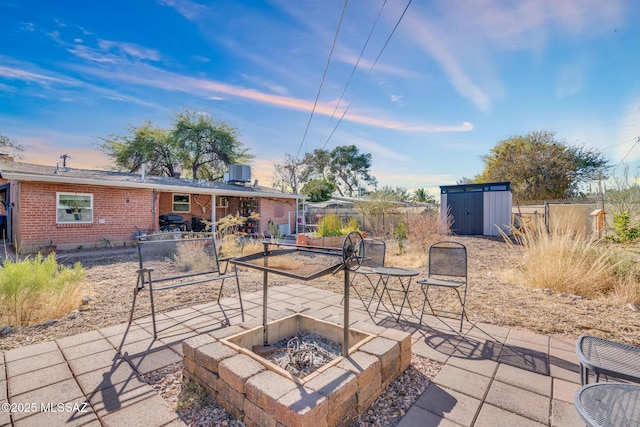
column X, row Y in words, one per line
column 86, row 300
column 6, row 330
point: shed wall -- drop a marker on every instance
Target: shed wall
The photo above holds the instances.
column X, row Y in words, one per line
column 497, row 212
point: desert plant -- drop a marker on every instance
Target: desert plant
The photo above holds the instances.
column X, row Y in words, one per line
column 621, row 225
column 230, row 225
column 330, row 225
column 400, row 233
column 192, row 256
column 565, row 262
column 426, row 228
column 38, row 289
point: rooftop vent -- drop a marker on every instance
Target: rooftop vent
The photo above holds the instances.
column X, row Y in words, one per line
column 238, row 174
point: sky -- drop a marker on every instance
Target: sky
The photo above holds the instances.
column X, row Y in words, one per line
column 426, row 87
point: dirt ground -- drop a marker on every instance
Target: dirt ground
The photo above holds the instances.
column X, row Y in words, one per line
column 111, row 276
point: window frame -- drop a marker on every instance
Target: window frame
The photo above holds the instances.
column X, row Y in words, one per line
column 63, row 218
column 187, row 203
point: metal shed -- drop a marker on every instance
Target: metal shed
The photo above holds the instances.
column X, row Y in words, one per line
column 477, row 209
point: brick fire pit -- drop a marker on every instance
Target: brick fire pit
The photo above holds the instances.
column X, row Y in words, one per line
column 260, row 393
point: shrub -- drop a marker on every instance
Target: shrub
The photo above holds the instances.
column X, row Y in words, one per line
column 425, row 229
column 38, row 289
column 568, row 262
column 193, row 257
column 330, row 225
column 624, row 233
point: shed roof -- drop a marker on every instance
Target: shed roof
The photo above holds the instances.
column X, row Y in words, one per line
column 41, row 173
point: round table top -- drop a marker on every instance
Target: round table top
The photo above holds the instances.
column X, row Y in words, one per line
column 609, row 404
column 396, row 271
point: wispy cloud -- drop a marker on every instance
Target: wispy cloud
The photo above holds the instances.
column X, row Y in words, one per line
column 459, row 78
column 28, row 76
column 154, row 77
column 131, row 50
column 366, row 65
column 493, row 26
column 187, row 8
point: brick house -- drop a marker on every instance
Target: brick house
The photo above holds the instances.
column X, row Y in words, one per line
column 45, row 206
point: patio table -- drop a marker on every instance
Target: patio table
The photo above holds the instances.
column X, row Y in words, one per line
column 607, row 357
column 403, row 276
column 609, row 404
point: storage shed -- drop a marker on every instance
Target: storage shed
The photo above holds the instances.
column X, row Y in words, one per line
column 477, row 209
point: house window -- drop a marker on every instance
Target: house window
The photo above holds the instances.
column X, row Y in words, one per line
column 74, row 208
column 182, row 203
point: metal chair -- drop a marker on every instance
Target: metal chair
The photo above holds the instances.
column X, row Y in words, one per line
column 373, row 255
column 447, row 269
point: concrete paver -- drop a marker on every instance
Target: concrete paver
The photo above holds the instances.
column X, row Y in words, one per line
column 491, row 375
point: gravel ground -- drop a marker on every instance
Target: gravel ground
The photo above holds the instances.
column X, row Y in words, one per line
column 195, row 408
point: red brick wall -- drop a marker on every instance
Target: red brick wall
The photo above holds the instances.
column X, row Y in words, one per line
column 277, row 210
column 116, row 213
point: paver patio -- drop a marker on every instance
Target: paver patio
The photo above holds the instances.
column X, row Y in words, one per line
column 492, row 376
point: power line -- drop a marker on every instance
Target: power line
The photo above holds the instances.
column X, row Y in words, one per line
column 315, row 103
column 355, row 67
column 629, row 152
column 344, row 113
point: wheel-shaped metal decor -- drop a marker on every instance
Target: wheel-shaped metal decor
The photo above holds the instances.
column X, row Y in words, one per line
column 352, row 251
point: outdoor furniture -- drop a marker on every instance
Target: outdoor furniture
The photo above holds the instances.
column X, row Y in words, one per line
column 176, row 259
column 447, row 269
column 373, row 255
column 609, row 404
column 403, row 276
column 607, row 357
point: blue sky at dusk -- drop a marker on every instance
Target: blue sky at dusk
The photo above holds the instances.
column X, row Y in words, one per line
column 455, row 77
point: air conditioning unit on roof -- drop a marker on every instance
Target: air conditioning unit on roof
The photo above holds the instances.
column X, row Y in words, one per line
column 239, row 173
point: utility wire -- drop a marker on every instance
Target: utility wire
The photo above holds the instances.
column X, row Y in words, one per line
column 344, row 113
column 628, row 152
column 315, row 103
column 355, row 67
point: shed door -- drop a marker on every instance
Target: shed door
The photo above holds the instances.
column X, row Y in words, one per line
column 466, row 209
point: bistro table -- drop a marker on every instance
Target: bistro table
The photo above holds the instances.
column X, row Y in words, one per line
column 403, row 276
column 609, row 404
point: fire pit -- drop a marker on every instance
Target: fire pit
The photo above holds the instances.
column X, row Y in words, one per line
column 232, row 369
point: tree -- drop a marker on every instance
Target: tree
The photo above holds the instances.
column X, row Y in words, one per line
column 146, row 144
column 195, row 143
column 350, row 169
column 390, row 194
column 422, row 195
column 319, row 190
column 290, row 174
column 207, row 147
column 10, row 147
column 540, row 167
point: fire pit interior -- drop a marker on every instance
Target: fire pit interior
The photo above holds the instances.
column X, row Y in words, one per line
column 287, row 329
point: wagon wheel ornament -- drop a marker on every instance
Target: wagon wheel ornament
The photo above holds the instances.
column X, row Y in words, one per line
column 352, row 251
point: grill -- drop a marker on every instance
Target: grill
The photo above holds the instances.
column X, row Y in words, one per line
column 306, row 264
column 295, row 263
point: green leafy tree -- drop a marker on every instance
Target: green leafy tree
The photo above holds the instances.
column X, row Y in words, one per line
column 390, row 194
column 351, row 169
column 318, row 190
column 207, row 147
column 345, row 166
column 146, row 144
column 540, row 167
column 10, row 147
column 195, row 143
column 422, row 195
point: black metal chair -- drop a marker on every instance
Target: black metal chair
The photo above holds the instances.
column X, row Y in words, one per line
column 447, row 269
column 373, row 255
